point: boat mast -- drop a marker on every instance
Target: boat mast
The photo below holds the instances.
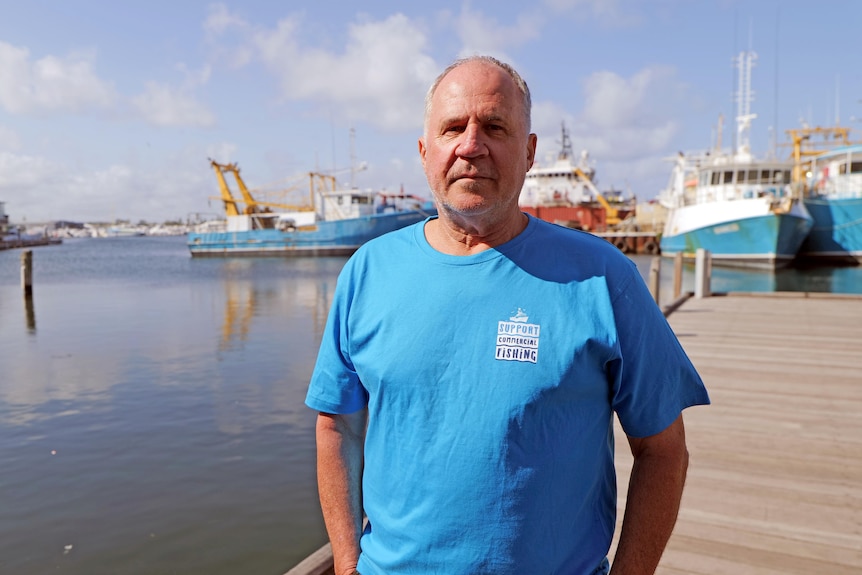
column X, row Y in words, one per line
column 744, row 97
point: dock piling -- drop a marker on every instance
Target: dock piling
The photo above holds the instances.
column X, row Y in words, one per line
column 702, row 272
column 27, row 273
column 677, row 275
column 654, row 275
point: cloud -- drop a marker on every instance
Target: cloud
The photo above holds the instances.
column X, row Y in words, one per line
column 164, row 105
column 51, row 84
column 9, row 140
column 480, row 33
column 37, row 189
column 630, row 118
column 379, row 76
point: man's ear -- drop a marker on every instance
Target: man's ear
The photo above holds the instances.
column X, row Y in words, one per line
column 532, row 140
column 422, row 150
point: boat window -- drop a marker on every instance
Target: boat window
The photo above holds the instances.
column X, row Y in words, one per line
column 728, row 177
column 786, row 176
column 764, row 176
column 716, row 178
column 704, row 178
column 740, row 176
column 752, row 176
column 856, row 167
column 842, row 168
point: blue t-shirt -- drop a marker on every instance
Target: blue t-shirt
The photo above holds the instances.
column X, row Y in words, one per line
column 491, row 381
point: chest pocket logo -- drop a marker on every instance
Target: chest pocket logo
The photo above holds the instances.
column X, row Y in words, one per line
column 517, row 340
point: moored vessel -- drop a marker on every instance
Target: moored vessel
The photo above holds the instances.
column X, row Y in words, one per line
column 740, row 208
column 564, row 192
column 335, row 221
column 828, row 174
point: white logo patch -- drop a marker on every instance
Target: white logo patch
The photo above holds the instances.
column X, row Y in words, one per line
column 517, row 340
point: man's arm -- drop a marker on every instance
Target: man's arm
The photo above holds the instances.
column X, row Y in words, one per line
column 340, row 445
column 655, row 489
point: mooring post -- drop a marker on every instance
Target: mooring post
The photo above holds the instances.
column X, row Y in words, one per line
column 702, row 272
column 677, row 275
column 655, row 277
column 27, row 272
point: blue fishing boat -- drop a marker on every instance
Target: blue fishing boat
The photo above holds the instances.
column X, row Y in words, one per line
column 333, row 222
column 832, row 192
column 740, row 208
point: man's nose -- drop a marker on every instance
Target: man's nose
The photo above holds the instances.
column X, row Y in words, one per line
column 472, row 142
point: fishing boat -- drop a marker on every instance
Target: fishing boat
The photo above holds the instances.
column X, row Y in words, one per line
column 829, row 174
column 334, row 221
column 740, row 208
column 563, row 191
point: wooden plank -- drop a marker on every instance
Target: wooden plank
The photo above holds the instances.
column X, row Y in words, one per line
column 775, row 480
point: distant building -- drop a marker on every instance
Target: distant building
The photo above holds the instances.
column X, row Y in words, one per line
column 4, row 220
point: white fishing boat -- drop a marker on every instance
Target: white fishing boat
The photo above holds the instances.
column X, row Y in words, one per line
column 738, row 207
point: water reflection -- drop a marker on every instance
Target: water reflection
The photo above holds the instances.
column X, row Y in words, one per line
column 30, row 313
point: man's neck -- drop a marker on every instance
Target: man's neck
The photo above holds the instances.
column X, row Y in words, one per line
column 460, row 236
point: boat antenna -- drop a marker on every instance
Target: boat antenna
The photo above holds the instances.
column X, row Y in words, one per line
column 352, row 158
column 775, row 84
column 566, row 144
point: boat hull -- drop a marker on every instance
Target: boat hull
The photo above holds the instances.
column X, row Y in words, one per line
column 743, row 233
column 836, row 236
column 325, row 238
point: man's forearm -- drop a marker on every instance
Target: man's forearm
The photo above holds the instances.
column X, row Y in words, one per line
column 652, row 504
column 340, row 444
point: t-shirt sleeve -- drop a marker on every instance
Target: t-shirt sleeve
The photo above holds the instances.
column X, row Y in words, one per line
column 335, row 387
column 653, row 379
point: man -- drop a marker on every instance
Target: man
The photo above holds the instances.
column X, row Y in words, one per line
column 471, row 367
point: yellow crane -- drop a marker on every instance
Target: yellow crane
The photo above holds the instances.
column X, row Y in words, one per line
column 251, row 205
column 612, row 216
column 800, row 136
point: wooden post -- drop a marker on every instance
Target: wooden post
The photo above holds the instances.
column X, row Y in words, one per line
column 27, row 272
column 702, row 271
column 677, row 275
column 654, row 278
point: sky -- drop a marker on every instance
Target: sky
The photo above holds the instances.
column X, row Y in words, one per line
column 112, row 110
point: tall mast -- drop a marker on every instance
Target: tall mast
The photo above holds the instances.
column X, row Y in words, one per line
column 744, row 97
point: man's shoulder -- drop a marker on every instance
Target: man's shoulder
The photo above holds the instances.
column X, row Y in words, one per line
column 565, row 240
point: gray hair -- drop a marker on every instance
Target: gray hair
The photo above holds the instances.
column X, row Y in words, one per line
column 519, row 82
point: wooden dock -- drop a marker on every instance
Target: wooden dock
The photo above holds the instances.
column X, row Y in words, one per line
column 775, row 479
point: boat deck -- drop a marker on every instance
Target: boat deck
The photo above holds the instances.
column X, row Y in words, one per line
column 775, row 478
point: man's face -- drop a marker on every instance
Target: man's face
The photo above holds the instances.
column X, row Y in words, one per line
column 476, row 148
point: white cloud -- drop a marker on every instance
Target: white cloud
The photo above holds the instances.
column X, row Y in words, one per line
column 37, row 189
column 219, row 23
column 379, row 76
column 164, row 105
column 66, row 84
column 9, row 140
column 630, row 118
column 482, row 34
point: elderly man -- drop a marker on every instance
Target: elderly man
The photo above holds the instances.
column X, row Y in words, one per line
column 472, row 365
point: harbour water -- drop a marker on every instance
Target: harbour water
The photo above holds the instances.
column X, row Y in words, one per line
column 151, row 405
